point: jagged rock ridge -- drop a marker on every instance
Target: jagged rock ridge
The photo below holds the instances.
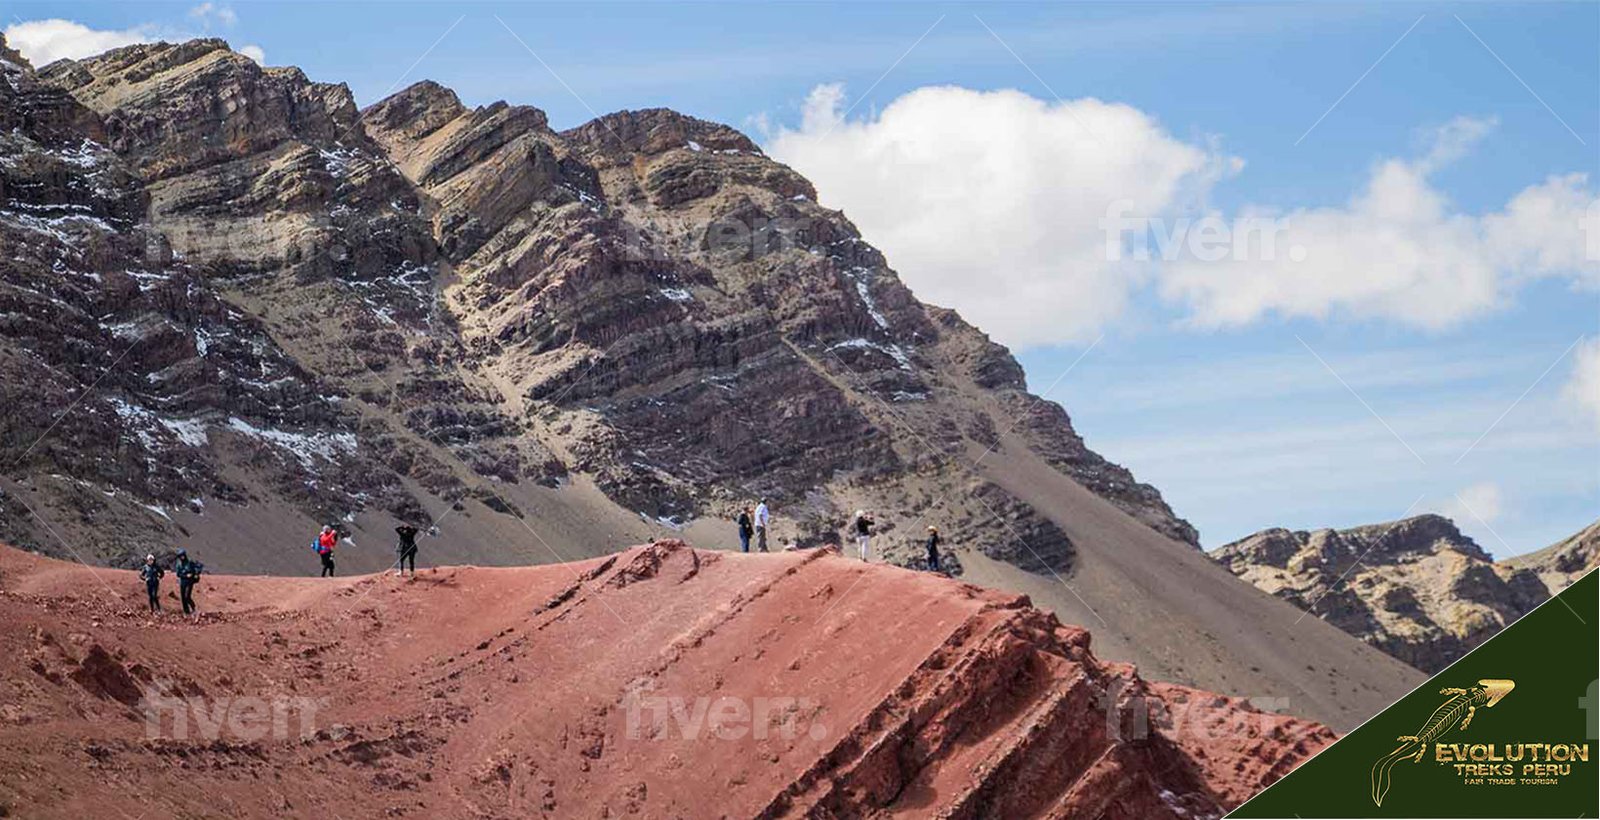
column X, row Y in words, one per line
column 551, row 344
column 1563, row 562
column 1417, row 589
column 413, row 301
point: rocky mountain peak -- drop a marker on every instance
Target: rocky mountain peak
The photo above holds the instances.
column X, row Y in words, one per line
column 1418, row 534
column 652, row 131
column 285, row 312
column 415, row 111
column 1417, row 588
column 11, row 55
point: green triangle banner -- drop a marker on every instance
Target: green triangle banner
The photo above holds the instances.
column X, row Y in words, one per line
column 1506, row 731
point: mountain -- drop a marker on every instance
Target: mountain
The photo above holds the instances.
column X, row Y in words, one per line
column 657, row 681
column 1561, row 563
column 245, row 308
column 1417, row 589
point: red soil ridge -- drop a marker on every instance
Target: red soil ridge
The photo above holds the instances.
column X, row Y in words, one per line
column 662, row 681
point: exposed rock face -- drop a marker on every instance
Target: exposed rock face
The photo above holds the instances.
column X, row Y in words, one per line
column 241, row 308
column 1561, row 563
column 1417, row 589
column 657, row 681
column 283, row 300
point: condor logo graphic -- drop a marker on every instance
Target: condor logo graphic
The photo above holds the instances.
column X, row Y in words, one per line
column 1457, row 712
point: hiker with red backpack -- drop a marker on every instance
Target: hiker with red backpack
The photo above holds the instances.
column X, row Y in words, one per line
column 326, row 541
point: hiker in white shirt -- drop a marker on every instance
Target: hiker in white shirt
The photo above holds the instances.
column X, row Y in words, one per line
column 762, row 517
column 862, row 526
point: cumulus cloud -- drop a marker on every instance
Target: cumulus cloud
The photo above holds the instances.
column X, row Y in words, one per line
column 1477, row 505
column 45, row 41
column 211, row 13
column 991, row 201
column 1583, row 386
column 1397, row 250
column 1042, row 221
column 254, row 52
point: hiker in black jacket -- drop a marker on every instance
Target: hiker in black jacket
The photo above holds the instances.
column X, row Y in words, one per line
column 151, row 574
column 747, row 528
column 933, row 548
column 188, row 572
column 407, row 549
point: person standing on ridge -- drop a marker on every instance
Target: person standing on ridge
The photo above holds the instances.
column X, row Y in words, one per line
column 746, row 528
column 326, row 541
column 151, row 574
column 762, row 519
column 188, row 572
column 933, row 548
column 863, row 529
column 407, row 548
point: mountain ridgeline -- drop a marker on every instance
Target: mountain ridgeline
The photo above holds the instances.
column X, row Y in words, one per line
column 1418, row 589
column 279, row 296
column 234, row 305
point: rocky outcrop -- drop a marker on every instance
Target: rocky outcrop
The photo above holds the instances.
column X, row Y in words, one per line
column 666, row 680
column 259, row 310
column 1417, row 589
column 427, row 296
column 646, row 299
column 1563, row 562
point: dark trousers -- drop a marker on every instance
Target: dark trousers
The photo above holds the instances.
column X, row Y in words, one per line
column 154, row 590
column 933, row 560
column 327, row 564
column 186, row 593
column 744, row 542
column 408, row 555
column 761, row 538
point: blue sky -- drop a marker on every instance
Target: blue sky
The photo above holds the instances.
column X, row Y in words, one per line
column 1308, row 408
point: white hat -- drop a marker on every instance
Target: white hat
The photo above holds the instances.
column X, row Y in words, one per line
column 150, row 557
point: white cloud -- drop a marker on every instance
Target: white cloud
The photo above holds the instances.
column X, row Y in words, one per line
column 1475, row 507
column 991, row 201
column 209, row 13
column 1398, row 250
column 997, row 204
column 45, row 41
column 254, row 52
column 1583, row 386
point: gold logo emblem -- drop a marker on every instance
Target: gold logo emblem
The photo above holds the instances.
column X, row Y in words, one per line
column 1455, row 713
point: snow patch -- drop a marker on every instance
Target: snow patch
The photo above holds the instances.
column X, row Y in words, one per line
column 891, row 350
column 307, row 448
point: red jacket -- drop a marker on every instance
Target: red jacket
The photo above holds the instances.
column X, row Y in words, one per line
column 327, row 541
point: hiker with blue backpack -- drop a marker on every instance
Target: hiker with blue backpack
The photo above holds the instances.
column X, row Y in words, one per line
column 323, row 546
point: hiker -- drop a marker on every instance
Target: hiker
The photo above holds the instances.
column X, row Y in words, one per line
column 863, row 527
column 746, row 529
column 407, row 548
column 933, row 548
column 762, row 517
column 326, row 541
column 188, row 572
column 151, row 574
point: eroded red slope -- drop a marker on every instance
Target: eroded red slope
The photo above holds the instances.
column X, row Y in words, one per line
column 662, row 681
